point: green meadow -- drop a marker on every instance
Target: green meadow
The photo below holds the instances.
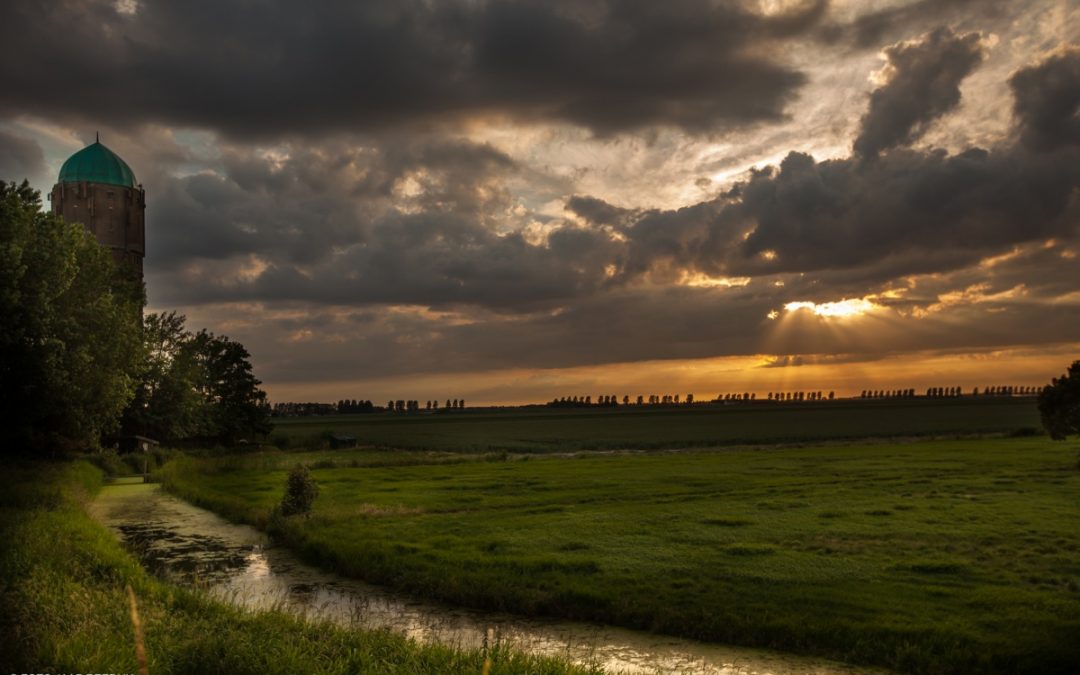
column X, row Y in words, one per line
column 642, row 427
column 932, row 556
column 64, row 605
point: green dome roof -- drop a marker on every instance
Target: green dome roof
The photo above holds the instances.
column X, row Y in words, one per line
column 97, row 164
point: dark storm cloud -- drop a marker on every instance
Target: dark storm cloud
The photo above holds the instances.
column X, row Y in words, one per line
column 19, row 157
column 869, row 30
column 368, row 255
column 434, row 260
column 631, row 325
column 907, row 212
column 300, row 204
column 596, row 211
column 923, row 83
column 846, row 214
column 420, row 222
column 338, row 227
column 250, row 68
column 1047, row 99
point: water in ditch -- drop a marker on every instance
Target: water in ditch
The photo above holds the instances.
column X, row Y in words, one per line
column 237, row 563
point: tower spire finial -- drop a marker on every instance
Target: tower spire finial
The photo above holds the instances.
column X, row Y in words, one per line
column 97, row 137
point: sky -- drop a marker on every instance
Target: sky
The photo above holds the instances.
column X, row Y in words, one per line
column 511, row 201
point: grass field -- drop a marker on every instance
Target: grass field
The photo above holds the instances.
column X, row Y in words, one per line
column 560, row 430
column 64, row 605
column 932, row 556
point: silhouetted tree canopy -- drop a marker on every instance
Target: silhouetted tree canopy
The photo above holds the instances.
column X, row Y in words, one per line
column 195, row 387
column 69, row 329
column 1059, row 404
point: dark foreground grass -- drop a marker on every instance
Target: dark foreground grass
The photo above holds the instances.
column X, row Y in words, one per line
column 64, row 608
column 645, row 427
column 936, row 556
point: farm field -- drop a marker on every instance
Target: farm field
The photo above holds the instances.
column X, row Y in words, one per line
column 64, row 605
column 929, row 556
column 702, row 425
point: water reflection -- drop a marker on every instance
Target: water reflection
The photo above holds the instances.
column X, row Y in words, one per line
column 237, row 563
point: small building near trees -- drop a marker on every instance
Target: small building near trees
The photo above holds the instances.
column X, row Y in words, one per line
column 342, row 441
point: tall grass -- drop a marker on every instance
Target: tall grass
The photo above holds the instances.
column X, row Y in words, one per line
column 64, row 605
column 931, row 557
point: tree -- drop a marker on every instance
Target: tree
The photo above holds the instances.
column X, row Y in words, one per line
column 195, row 387
column 69, row 329
column 167, row 405
column 300, row 492
column 236, row 406
column 1059, row 404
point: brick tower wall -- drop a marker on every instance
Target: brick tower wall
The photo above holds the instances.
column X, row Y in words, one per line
column 113, row 213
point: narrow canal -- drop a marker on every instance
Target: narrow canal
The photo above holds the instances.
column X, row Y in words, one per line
column 192, row 546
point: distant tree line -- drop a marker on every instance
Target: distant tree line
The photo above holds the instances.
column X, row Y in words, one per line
column 292, row 409
column 354, row 407
column 612, row 400
column 890, row 393
column 796, row 396
column 1008, row 391
column 357, row 407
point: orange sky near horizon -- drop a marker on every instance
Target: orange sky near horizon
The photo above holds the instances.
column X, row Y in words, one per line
column 704, row 378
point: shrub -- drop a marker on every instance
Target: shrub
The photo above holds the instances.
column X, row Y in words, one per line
column 109, row 461
column 300, row 492
column 1059, row 404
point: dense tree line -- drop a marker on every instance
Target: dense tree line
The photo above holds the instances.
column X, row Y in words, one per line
column 292, row 409
column 80, row 365
column 69, row 329
column 612, row 400
column 354, row 407
column 194, row 387
column 784, row 396
column 1008, row 390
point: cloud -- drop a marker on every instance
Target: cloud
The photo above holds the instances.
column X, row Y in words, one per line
column 931, row 210
column 922, row 82
column 20, row 157
column 427, row 221
column 264, row 69
column 377, row 189
column 432, row 222
column 870, row 29
column 908, row 212
column 1047, row 100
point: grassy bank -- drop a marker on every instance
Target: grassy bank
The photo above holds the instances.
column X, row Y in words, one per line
column 957, row 556
column 645, row 427
column 64, row 606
